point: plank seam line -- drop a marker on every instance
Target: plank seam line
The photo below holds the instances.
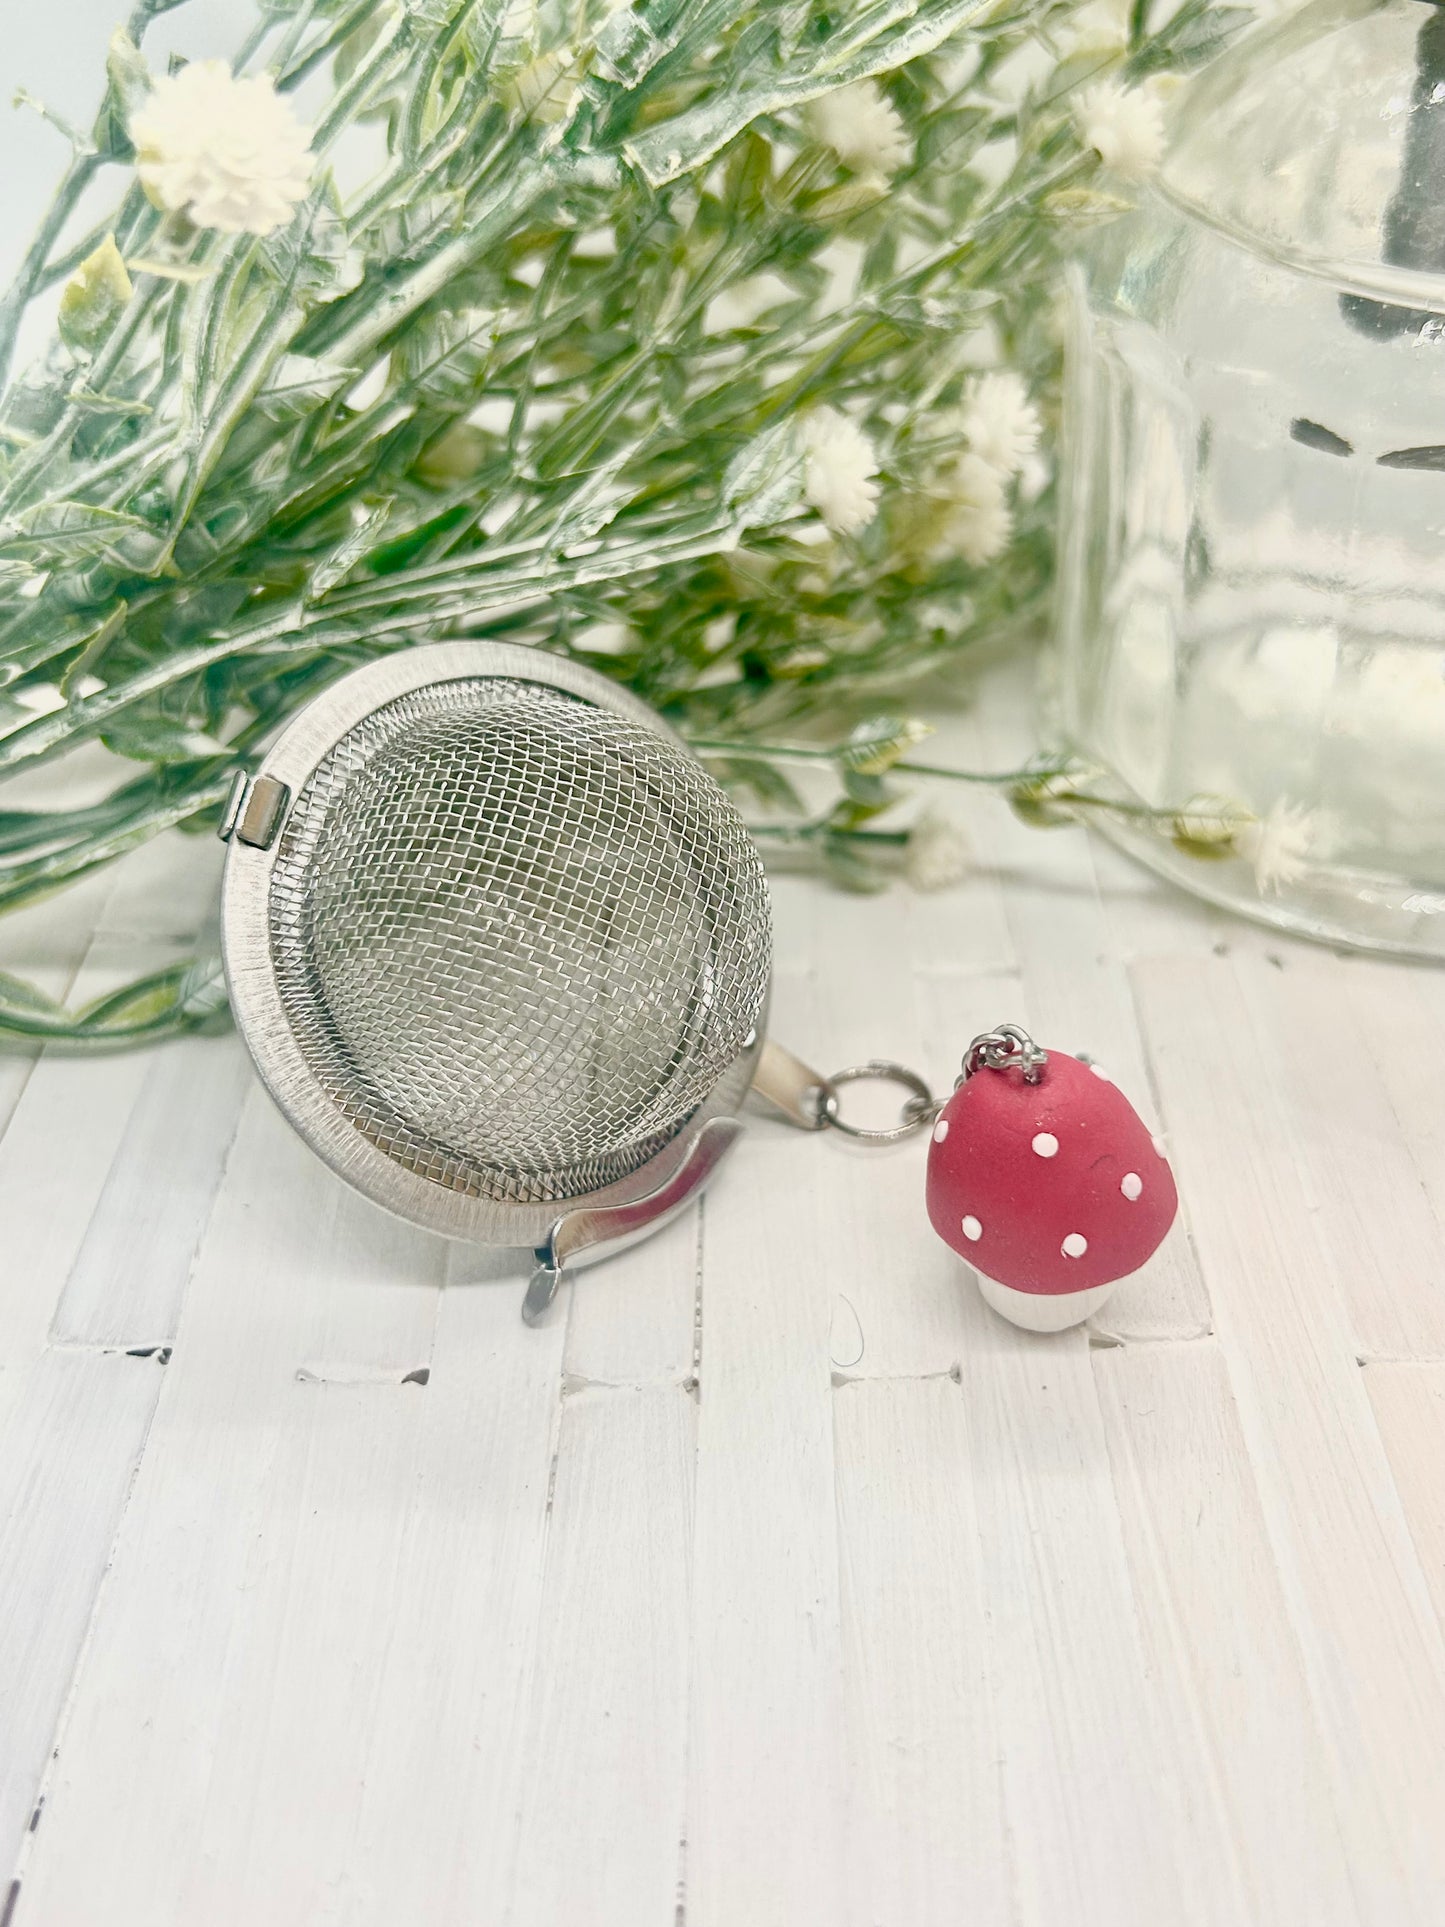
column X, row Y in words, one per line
column 1184, row 1226
column 1407, row 1136
column 32, row 1058
column 578, row 1384
column 1107, row 1341
column 161, row 1348
column 1147, row 1569
column 968, row 973
column 693, row 1386
column 35, row 1056
column 842, row 1379
column 72, row 1689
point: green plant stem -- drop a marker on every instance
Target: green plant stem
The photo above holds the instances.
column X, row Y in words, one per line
column 77, row 177
column 817, row 832
column 837, row 755
column 162, row 1004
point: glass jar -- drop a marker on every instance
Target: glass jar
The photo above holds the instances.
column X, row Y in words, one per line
column 1252, row 556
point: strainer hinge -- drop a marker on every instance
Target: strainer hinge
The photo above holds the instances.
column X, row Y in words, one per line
column 255, row 810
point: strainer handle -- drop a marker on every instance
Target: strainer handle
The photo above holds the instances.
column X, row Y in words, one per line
column 586, row 1236
column 790, row 1086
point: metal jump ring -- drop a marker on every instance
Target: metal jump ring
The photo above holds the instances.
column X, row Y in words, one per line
column 919, row 1110
column 1006, row 1044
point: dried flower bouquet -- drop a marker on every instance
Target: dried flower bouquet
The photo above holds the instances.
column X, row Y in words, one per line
column 707, row 341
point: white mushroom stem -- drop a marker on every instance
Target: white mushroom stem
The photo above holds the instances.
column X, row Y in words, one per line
column 1042, row 1311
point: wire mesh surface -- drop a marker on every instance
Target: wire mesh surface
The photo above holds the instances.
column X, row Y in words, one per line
column 518, row 938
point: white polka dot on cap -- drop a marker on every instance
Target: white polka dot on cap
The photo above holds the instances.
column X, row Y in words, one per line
column 940, row 1130
column 1132, row 1185
column 972, row 1230
column 1075, row 1245
column 1046, row 1145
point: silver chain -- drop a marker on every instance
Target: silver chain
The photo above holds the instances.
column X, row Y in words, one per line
column 997, row 1049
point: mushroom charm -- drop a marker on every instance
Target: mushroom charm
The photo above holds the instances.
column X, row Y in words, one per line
column 1045, row 1178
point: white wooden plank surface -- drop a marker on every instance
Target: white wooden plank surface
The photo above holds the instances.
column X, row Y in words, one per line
column 765, row 1779
column 1357, row 1159
column 72, row 1426
column 610, row 1703
column 1401, row 1014
column 1098, row 1787
column 927, row 1837
column 1409, row 1405
column 1371, row 1649
column 1216, row 1632
column 773, row 1580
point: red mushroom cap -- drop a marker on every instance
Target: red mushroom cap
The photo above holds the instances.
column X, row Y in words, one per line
column 1050, row 1187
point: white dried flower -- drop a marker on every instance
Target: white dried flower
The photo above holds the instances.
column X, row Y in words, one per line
column 1123, row 125
column 999, row 421
column 1290, row 840
column 227, row 153
column 982, row 534
column 1034, row 478
column 936, row 855
column 863, row 128
column 978, row 522
column 838, row 466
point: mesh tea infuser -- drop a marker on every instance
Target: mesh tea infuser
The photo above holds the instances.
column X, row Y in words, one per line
column 501, row 951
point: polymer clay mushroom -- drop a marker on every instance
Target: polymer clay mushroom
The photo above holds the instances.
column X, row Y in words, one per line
column 1045, row 1178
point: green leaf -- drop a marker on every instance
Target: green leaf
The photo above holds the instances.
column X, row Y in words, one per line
column 442, row 359
column 1196, row 34
column 876, row 39
column 159, row 739
column 188, row 272
column 94, row 646
column 747, row 178
column 1079, row 205
column 344, row 557
column 300, row 384
column 91, row 402
column 17, row 995
column 128, row 82
column 877, row 744
column 1042, row 802
column 628, row 47
column 67, row 527
column 755, row 776
column 849, row 869
column 201, row 994
column 764, row 480
column 95, row 297
column 1209, row 827
column 868, row 796
column 848, row 197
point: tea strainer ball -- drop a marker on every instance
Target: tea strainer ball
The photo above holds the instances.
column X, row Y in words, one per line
column 501, row 950
column 499, row 947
